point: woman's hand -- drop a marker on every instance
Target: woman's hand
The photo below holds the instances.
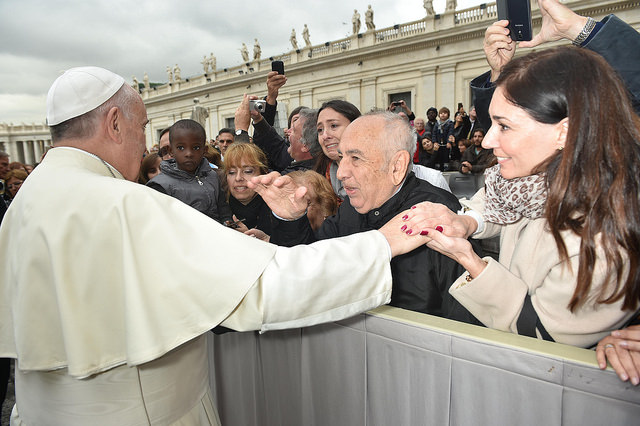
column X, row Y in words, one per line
column 558, row 21
column 438, row 216
column 622, row 350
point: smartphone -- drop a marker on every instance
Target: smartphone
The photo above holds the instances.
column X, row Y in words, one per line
column 278, row 66
column 518, row 13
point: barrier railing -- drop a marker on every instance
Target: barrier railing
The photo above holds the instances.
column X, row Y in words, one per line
column 392, row 366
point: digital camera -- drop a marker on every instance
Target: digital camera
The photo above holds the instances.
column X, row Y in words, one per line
column 257, row 105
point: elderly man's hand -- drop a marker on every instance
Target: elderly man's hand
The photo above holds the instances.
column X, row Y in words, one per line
column 622, row 350
column 399, row 241
column 498, row 47
column 244, row 115
column 274, row 82
column 428, row 215
column 282, row 195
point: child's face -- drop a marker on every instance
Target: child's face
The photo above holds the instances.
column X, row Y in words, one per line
column 444, row 116
column 462, row 147
column 188, row 149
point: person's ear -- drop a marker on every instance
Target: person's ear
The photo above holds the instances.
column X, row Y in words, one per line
column 304, row 148
column 563, row 130
column 114, row 124
column 398, row 168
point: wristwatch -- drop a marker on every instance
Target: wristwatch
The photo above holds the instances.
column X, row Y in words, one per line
column 240, row 131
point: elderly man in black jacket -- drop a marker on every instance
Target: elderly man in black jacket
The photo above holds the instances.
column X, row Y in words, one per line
column 375, row 169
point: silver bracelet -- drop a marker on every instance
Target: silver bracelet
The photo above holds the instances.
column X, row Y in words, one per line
column 586, row 31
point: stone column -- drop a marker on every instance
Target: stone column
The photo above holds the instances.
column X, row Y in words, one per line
column 30, row 155
column 306, row 98
column 37, row 150
column 353, row 93
column 426, row 92
column 368, row 95
column 447, row 87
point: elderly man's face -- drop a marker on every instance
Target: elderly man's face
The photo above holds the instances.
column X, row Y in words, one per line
column 296, row 149
column 134, row 127
column 364, row 171
column 4, row 166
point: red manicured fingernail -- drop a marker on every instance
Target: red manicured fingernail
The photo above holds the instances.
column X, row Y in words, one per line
column 403, row 227
column 413, row 207
column 409, row 232
column 439, row 228
column 405, row 217
column 424, row 232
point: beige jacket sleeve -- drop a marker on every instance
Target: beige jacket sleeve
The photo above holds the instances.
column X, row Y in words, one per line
column 496, row 296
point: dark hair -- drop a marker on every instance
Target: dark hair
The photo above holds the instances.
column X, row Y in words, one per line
column 347, row 110
column 226, row 130
column 593, row 189
column 294, row 112
column 479, row 129
column 163, row 132
column 190, row 126
column 147, row 162
column 432, row 109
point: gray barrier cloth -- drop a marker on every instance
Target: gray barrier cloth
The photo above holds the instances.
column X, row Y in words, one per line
column 395, row 367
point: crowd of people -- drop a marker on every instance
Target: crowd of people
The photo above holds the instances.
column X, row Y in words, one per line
column 337, row 185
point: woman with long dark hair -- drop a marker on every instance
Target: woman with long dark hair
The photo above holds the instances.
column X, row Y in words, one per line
column 565, row 203
column 333, row 117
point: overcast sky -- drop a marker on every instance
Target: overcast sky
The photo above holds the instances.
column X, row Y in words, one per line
column 41, row 38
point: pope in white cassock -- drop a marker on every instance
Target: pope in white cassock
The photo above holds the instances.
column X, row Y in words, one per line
column 107, row 287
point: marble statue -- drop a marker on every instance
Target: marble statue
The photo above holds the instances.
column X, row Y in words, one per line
column 170, row 74
column 428, row 7
column 368, row 19
column 293, row 39
column 257, row 51
column 355, row 20
column 305, row 36
column 212, row 62
column 147, row 86
column 452, row 5
column 205, row 64
column 176, row 73
column 136, row 84
column 199, row 113
column 245, row 53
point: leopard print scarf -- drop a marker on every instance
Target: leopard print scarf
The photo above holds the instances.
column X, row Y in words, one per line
column 508, row 200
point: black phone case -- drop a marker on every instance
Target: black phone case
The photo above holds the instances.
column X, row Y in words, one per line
column 277, row 66
column 518, row 13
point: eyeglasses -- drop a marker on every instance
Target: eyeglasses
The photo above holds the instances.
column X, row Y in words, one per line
column 14, row 185
column 164, row 151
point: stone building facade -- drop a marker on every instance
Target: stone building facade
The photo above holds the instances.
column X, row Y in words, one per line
column 428, row 62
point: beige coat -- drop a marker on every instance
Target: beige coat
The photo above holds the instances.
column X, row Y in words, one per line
column 530, row 264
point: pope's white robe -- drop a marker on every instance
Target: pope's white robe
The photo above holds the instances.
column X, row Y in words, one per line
column 107, row 286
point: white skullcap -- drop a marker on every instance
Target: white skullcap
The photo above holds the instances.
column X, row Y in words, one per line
column 78, row 91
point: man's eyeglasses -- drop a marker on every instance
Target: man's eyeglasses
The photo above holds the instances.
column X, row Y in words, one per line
column 164, row 151
column 14, row 185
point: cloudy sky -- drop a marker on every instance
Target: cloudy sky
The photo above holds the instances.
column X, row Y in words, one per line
column 41, row 38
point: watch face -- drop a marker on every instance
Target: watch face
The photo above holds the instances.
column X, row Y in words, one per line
column 238, row 132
